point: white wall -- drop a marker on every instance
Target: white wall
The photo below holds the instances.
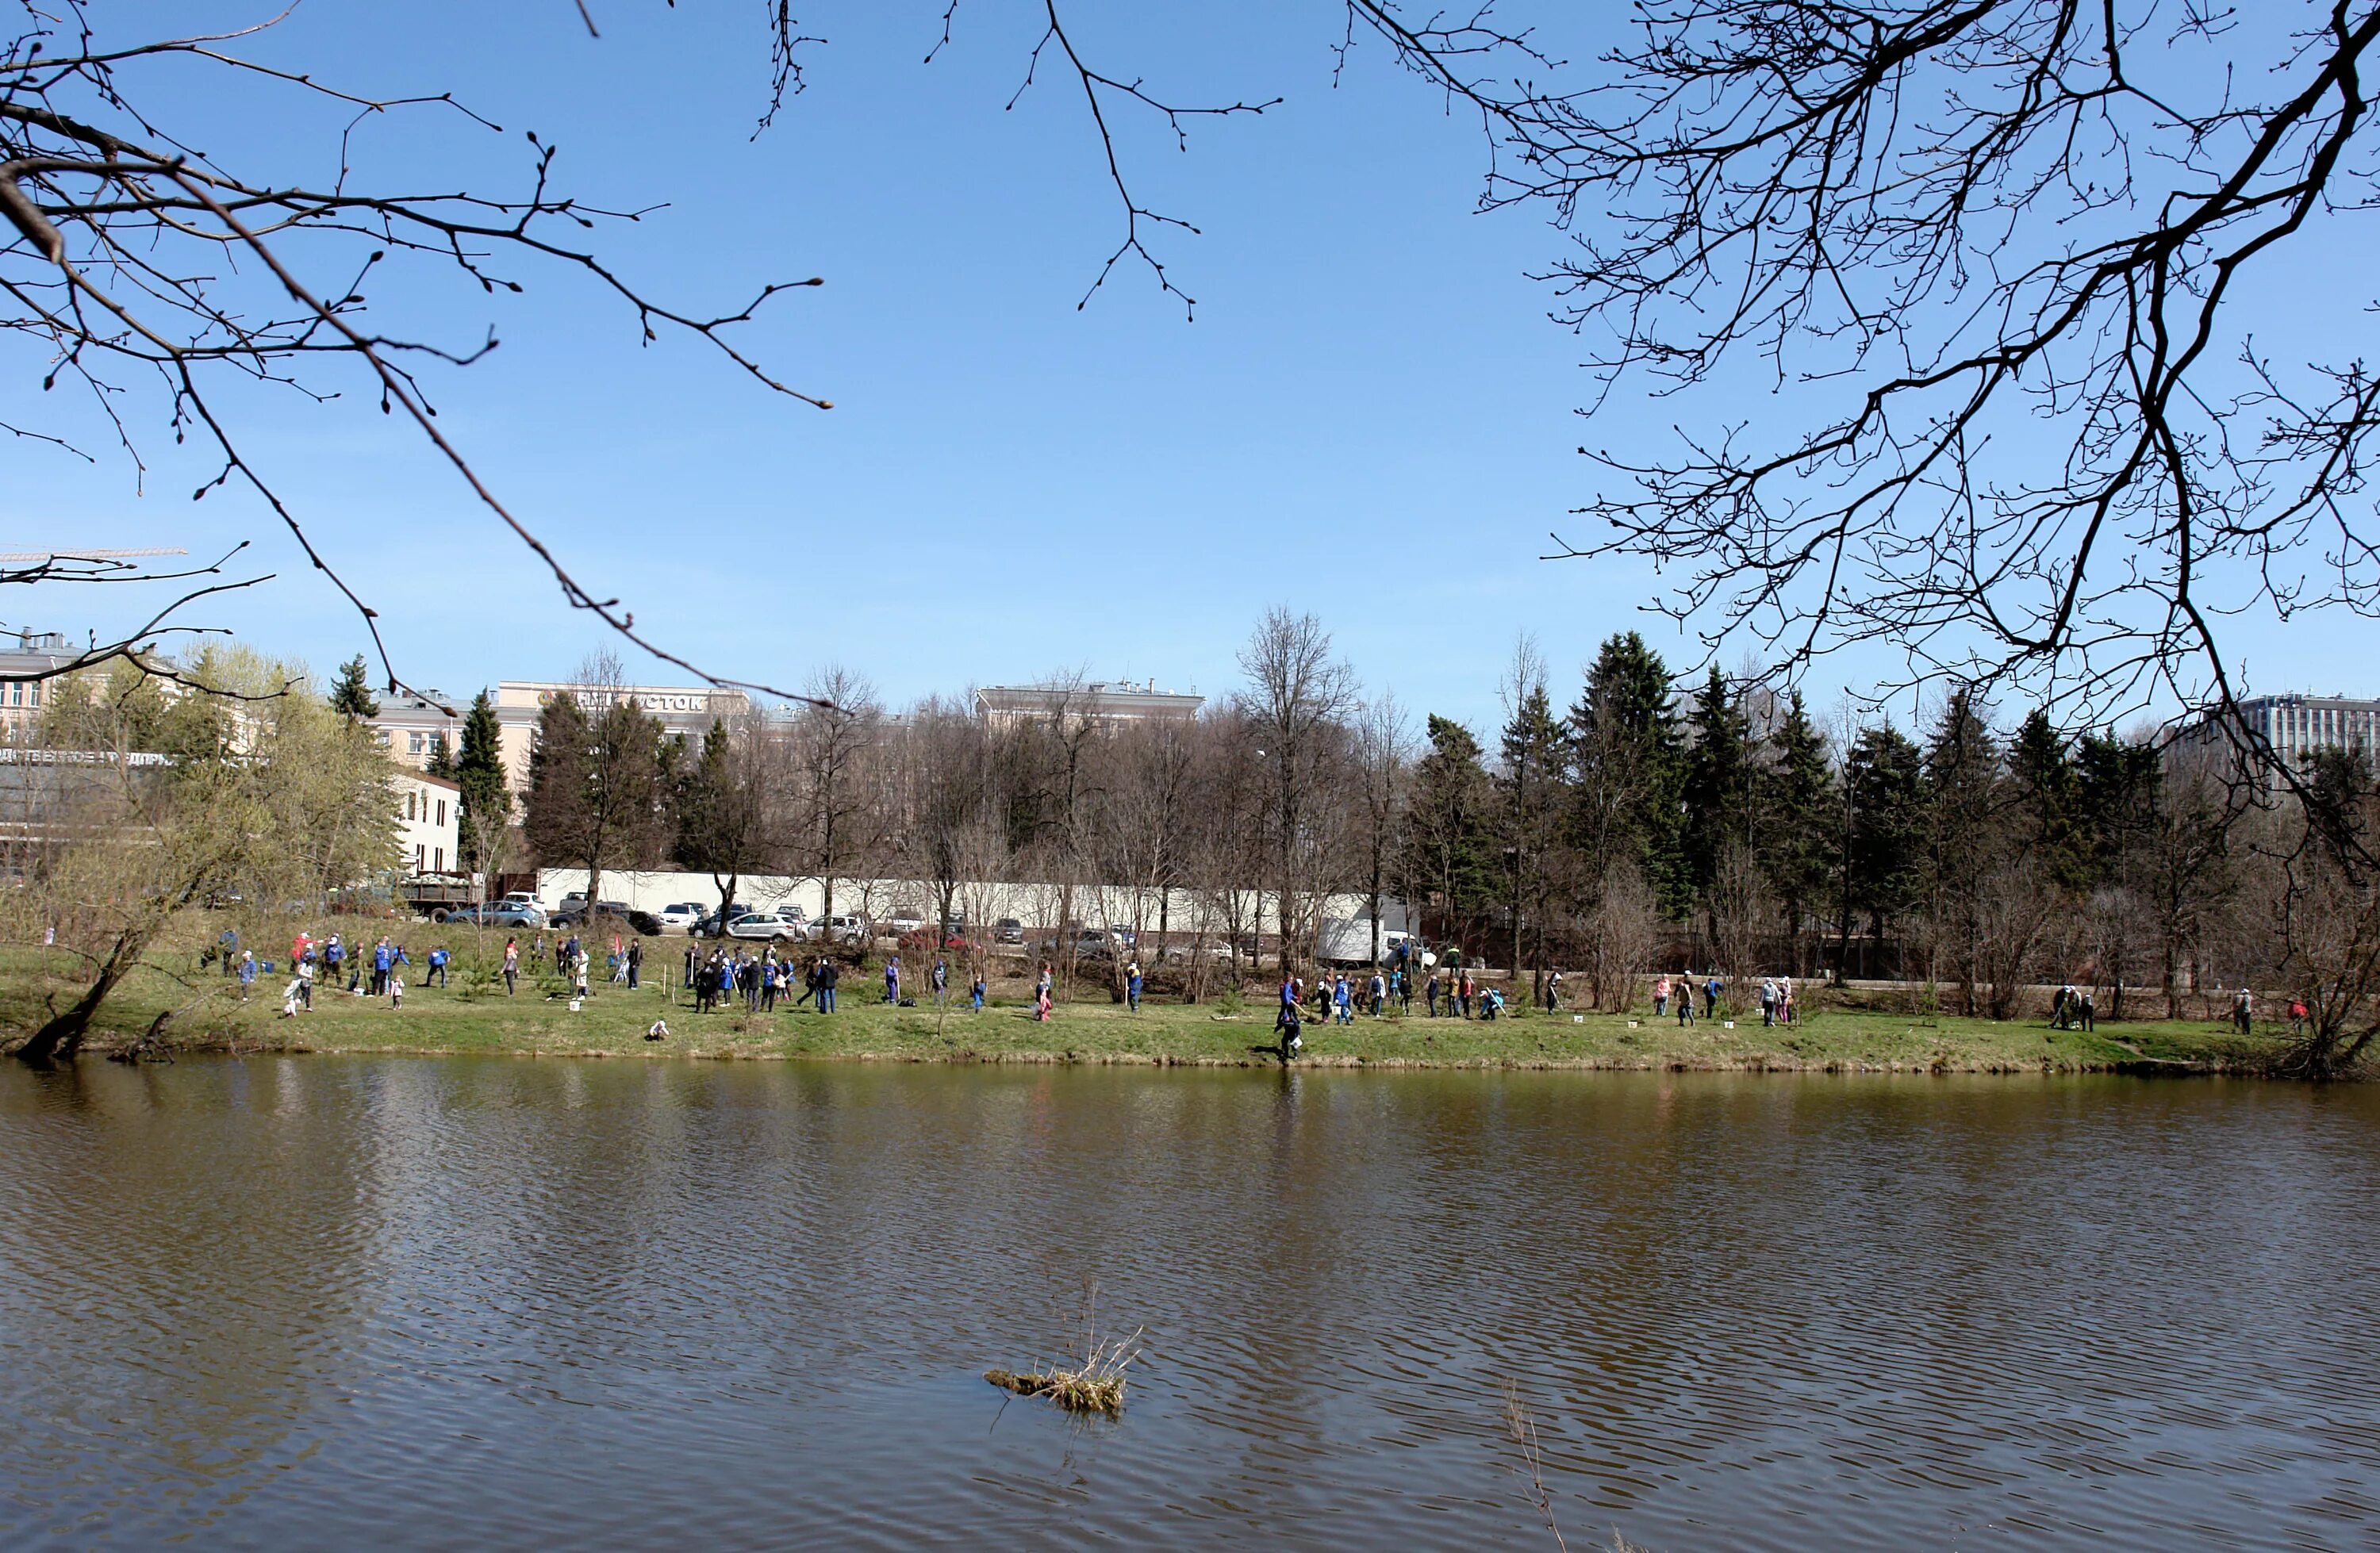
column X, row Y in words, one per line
column 1035, row 905
column 432, row 832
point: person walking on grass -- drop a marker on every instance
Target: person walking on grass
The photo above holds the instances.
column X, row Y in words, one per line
column 2088, row 1016
column 940, row 980
column 1767, row 1002
column 892, row 981
column 247, row 972
column 511, row 968
column 1429, row 992
column 1686, row 1007
column 396, row 991
column 1380, row 990
column 1553, row 992
column 1469, row 991
column 334, row 954
column 1340, row 1003
column 1132, row 985
column 1041, row 994
column 976, row 992
column 1288, row 1022
column 305, row 981
column 1711, row 990
column 1785, row 1012
column 829, row 974
column 1660, row 995
column 2244, row 1012
column 230, row 942
column 635, row 962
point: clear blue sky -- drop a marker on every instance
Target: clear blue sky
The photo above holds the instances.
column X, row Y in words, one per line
column 1371, row 418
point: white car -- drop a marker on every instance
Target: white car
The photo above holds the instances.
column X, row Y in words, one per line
column 791, row 912
column 680, row 918
column 902, row 923
column 764, row 925
column 1426, row 958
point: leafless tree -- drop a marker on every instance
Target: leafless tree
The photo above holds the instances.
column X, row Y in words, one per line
column 152, row 277
column 1617, row 937
column 1298, row 695
column 2008, row 251
column 1384, row 748
column 834, row 733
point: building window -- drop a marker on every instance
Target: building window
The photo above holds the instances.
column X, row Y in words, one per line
column 420, row 852
column 441, row 813
column 37, row 694
column 414, row 744
column 408, row 806
column 438, row 860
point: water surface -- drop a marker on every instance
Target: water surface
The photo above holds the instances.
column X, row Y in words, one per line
column 304, row 1302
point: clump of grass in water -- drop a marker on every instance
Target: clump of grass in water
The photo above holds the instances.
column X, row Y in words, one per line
column 1096, row 1385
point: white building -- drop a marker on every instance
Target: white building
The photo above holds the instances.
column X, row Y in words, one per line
column 2295, row 726
column 429, row 821
column 1009, row 705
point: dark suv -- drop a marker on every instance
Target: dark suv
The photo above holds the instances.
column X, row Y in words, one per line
column 1008, row 930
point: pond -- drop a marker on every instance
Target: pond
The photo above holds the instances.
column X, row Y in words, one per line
column 305, row 1302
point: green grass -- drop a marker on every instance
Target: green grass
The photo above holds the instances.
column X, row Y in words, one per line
column 474, row 1016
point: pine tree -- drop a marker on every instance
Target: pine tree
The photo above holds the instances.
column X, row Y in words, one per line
column 1448, row 828
column 1532, row 793
column 442, row 760
column 2046, row 803
column 1717, row 788
column 351, row 696
column 1795, row 801
column 1628, row 769
column 487, row 800
column 1883, row 835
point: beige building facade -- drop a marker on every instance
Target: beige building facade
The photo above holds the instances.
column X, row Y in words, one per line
column 409, row 727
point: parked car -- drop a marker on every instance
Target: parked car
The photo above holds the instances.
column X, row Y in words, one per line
column 767, row 925
column 905, row 921
column 791, row 909
column 1093, row 943
column 501, row 913
column 841, row 928
column 522, row 897
column 1008, row 930
column 574, row 910
column 1124, row 936
column 683, row 918
column 709, row 927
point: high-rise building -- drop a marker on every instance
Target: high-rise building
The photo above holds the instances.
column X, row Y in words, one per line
column 2295, row 726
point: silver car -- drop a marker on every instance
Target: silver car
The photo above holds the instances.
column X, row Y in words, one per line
column 764, row 925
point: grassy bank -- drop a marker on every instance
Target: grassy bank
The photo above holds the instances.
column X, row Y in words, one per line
column 474, row 1016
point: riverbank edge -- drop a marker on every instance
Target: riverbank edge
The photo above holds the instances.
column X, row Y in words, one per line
column 2148, row 1067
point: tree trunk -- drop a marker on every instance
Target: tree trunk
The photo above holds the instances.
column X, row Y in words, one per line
column 62, row 1036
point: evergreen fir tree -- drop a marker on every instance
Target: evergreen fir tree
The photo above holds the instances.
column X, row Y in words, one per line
column 1795, row 801
column 1628, row 771
column 1532, row 790
column 442, row 761
column 1883, row 801
column 2042, row 775
column 1448, row 828
column 1717, row 788
column 487, row 800
column 351, row 694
